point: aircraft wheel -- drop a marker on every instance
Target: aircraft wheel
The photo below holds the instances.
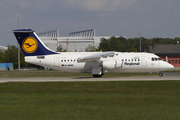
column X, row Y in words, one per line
column 160, row 74
column 95, row 76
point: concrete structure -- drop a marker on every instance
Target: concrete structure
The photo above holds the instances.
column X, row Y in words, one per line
column 77, row 41
column 168, row 53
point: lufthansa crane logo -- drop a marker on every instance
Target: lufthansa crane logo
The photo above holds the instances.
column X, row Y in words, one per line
column 29, row 45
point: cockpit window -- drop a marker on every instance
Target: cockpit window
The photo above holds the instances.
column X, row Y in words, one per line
column 155, row 59
column 159, row 59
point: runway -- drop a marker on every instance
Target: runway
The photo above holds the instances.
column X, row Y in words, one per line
column 167, row 76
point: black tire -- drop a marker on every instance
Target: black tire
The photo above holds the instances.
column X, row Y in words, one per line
column 160, row 74
column 95, row 76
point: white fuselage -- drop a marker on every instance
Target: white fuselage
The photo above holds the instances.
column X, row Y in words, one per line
column 120, row 62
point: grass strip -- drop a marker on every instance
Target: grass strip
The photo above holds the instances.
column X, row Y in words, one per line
column 152, row 100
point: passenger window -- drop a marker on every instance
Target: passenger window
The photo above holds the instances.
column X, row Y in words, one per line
column 172, row 61
column 61, row 60
column 152, row 59
column 122, row 59
column 179, row 61
column 125, row 59
column 169, row 61
column 132, row 59
column 135, row 60
column 64, row 60
column 176, row 61
column 129, row 60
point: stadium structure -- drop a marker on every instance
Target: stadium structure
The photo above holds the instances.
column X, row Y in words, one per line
column 76, row 41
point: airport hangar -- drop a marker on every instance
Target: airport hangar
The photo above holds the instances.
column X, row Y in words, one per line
column 75, row 42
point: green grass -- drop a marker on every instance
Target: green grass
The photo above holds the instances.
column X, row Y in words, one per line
column 54, row 73
column 156, row 100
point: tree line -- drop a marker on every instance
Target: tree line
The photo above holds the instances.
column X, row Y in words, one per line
column 11, row 56
column 119, row 44
column 122, row 44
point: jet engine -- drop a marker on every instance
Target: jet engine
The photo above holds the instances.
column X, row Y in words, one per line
column 110, row 65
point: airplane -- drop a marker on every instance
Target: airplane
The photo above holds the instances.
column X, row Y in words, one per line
column 96, row 63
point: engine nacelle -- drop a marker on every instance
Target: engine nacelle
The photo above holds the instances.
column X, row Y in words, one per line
column 110, row 65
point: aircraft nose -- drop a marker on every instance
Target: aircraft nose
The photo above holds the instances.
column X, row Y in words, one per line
column 170, row 66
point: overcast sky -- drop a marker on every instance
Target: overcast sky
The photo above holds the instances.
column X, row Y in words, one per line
column 154, row 18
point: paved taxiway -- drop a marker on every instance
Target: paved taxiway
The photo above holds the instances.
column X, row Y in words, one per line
column 167, row 76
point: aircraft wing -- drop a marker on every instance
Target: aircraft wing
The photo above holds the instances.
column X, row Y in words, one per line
column 96, row 57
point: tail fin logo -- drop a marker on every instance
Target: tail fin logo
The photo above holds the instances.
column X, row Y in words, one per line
column 29, row 45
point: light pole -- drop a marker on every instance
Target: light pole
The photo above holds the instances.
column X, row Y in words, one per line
column 18, row 47
column 140, row 34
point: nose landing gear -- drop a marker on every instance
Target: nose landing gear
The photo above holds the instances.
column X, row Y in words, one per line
column 160, row 74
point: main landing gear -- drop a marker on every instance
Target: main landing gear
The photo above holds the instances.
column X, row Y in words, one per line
column 99, row 75
column 160, row 74
column 97, row 72
column 95, row 76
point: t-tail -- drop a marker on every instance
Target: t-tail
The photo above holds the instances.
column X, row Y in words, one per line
column 30, row 43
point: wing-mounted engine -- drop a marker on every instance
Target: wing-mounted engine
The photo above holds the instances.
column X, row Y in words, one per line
column 111, row 65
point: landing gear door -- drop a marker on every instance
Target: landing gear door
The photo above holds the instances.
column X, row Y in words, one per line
column 97, row 70
column 118, row 64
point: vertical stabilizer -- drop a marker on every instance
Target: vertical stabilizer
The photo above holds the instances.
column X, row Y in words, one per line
column 30, row 43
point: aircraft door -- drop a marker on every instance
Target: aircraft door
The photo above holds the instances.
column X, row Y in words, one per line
column 144, row 61
column 56, row 61
column 118, row 64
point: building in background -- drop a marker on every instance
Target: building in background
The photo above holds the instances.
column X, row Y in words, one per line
column 168, row 53
column 76, row 41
